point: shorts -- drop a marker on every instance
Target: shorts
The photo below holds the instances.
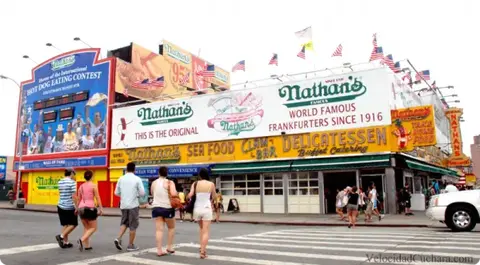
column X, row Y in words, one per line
column 369, row 208
column 163, row 212
column 352, row 207
column 408, row 204
column 130, row 218
column 374, row 207
column 67, row 217
column 89, row 214
column 204, row 214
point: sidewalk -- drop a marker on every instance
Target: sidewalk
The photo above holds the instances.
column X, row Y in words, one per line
column 418, row 220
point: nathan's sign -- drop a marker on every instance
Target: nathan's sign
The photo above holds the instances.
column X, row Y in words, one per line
column 339, row 142
column 413, row 127
column 458, row 158
column 340, row 102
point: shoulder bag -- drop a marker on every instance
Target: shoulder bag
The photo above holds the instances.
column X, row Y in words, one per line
column 191, row 202
column 174, row 200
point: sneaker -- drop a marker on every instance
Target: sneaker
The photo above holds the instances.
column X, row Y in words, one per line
column 132, row 248
column 118, row 243
column 68, row 245
column 60, row 241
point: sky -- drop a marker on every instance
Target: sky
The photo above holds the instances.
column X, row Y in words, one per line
column 437, row 35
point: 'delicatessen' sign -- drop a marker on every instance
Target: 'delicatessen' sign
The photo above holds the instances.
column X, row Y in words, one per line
column 317, row 144
column 340, row 102
column 413, row 127
column 458, row 158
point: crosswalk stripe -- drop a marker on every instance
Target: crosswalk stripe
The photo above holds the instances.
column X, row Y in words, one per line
column 10, row 251
column 136, row 260
column 365, row 237
column 305, row 255
column 316, row 242
column 333, row 234
column 294, row 246
column 375, row 232
column 107, row 258
column 240, row 260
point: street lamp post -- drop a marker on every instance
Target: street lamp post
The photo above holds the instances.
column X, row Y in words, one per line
column 20, row 131
column 28, row 58
column 80, row 40
column 53, row 46
column 454, row 101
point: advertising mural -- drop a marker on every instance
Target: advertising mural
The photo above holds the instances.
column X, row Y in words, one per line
column 3, row 167
column 413, row 127
column 321, row 104
column 458, row 158
column 180, row 60
column 64, row 107
column 316, row 144
column 198, row 66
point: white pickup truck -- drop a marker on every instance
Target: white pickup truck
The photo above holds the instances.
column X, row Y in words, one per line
column 458, row 210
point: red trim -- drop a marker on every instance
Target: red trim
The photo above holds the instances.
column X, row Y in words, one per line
column 108, row 119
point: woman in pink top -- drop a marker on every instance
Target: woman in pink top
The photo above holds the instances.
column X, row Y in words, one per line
column 87, row 194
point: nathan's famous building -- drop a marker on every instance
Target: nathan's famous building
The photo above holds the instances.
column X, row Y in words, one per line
column 279, row 148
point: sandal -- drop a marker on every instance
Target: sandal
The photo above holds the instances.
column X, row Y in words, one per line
column 163, row 254
column 203, row 255
column 170, row 251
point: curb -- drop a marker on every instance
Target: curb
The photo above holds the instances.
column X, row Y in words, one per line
column 251, row 222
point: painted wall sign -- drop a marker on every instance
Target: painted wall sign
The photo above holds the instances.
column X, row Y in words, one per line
column 413, row 127
column 333, row 103
column 458, row 158
column 340, row 142
column 97, row 161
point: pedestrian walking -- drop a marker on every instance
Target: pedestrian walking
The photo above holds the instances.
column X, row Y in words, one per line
column 218, row 205
column 163, row 213
column 373, row 196
column 87, row 195
column 361, row 202
column 407, row 200
column 181, row 210
column 66, row 208
column 130, row 189
column 352, row 206
column 339, row 204
column 202, row 193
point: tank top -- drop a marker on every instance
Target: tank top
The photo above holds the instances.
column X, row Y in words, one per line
column 160, row 194
column 88, row 196
column 202, row 200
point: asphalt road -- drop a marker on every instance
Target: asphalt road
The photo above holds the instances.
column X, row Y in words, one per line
column 28, row 238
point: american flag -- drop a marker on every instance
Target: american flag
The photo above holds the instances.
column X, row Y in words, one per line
column 388, row 60
column 185, row 79
column 274, row 60
column 408, row 76
column 159, row 82
column 301, row 54
column 377, row 55
column 239, row 66
column 397, row 67
column 140, row 84
column 425, row 74
column 374, row 51
column 338, row 51
column 209, row 72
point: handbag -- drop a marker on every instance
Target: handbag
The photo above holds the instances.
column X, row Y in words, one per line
column 191, row 202
column 174, row 200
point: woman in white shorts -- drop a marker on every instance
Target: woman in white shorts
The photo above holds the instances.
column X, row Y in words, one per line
column 205, row 194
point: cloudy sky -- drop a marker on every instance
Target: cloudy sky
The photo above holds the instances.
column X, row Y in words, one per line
column 437, row 35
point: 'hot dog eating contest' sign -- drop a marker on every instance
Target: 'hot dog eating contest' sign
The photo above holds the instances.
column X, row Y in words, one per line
column 336, row 103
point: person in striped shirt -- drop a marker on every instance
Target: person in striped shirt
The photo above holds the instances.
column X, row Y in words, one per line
column 67, row 212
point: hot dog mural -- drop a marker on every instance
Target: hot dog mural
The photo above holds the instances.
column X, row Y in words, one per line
column 403, row 135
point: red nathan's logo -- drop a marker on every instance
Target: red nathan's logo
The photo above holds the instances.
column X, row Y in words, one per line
column 411, row 114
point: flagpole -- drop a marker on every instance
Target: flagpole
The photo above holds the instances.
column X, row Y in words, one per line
column 421, row 76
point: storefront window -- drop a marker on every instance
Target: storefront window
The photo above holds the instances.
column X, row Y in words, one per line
column 418, row 185
column 303, row 183
column 240, row 185
column 273, row 184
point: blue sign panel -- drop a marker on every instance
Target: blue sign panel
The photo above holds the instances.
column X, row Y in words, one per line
column 173, row 171
column 64, row 107
column 3, row 167
column 96, row 161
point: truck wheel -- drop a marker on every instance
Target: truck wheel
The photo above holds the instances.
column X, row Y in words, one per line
column 460, row 219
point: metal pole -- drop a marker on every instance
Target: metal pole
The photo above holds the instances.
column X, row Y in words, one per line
column 20, row 148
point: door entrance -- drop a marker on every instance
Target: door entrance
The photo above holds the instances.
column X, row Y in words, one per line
column 335, row 181
column 378, row 180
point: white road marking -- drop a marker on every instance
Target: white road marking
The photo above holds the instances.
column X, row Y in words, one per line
column 136, row 260
column 17, row 250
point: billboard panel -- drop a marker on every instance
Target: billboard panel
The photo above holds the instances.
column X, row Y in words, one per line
column 320, row 104
column 413, row 127
column 180, row 64
column 64, row 108
column 199, row 65
column 458, row 158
